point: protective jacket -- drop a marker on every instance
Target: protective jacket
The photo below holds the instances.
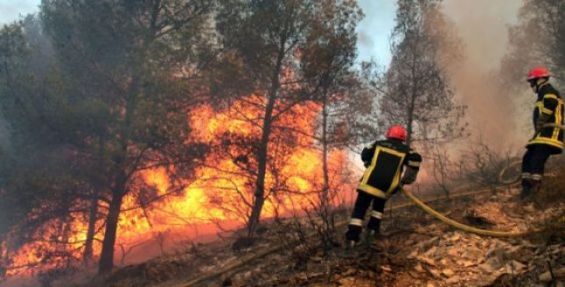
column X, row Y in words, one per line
column 548, row 118
column 385, row 161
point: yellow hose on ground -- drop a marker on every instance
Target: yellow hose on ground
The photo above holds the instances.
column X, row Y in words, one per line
column 462, row 226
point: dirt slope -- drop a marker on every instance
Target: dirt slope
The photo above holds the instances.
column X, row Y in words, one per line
column 415, row 250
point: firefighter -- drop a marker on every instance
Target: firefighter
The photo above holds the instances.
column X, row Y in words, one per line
column 548, row 135
column 390, row 163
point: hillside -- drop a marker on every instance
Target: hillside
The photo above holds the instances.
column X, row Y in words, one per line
column 416, row 250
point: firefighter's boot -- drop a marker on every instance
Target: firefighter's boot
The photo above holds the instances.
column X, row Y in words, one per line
column 531, row 190
column 372, row 241
column 350, row 249
column 536, row 186
column 526, row 192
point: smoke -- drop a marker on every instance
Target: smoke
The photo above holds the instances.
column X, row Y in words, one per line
column 482, row 26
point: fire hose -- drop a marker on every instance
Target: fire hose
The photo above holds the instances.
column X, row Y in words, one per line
column 464, row 227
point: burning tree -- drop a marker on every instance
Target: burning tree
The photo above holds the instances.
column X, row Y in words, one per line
column 34, row 158
column 144, row 59
column 116, row 101
column 416, row 88
column 265, row 43
column 108, row 119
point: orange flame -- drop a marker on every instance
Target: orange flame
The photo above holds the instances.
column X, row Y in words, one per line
column 222, row 191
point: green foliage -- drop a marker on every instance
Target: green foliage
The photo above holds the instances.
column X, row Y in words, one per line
column 92, row 93
column 129, row 67
column 285, row 53
column 416, row 88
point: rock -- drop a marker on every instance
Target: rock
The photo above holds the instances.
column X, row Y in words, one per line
column 529, row 208
column 452, row 280
column 436, row 274
column 472, row 253
column 453, row 252
column 426, row 260
column 420, row 229
column 346, row 281
column 455, row 237
column 487, row 267
column 490, row 279
column 247, row 274
column 414, row 274
column 431, row 252
column 419, row 268
column 386, row 268
column 467, row 263
column 514, row 267
column 317, row 259
column 428, row 243
column 523, row 253
column 448, row 272
column 412, row 254
column 349, row 272
column 496, row 258
column 546, row 276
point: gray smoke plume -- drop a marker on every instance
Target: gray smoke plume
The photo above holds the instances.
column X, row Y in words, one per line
column 482, row 25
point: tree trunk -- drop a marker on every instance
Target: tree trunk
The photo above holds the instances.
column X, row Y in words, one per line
column 259, row 196
column 92, row 214
column 410, row 123
column 107, row 255
column 120, row 181
column 3, row 259
column 325, row 208
column 412, row 105
column 326, row 188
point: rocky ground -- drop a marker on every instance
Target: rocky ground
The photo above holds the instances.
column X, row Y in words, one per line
column 420, row 251
column 415, row 250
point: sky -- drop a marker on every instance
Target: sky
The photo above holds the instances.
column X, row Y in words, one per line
column 11, row 10
column 374, row 29
column 474, row 19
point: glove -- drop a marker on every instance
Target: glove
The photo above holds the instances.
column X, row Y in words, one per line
column 409, row 176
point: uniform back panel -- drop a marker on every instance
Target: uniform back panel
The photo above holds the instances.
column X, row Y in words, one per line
column 385, row 169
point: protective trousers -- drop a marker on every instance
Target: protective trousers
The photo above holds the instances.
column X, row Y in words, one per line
column 362, row 203
column 533, row 164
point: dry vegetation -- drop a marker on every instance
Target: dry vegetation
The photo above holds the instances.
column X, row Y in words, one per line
column 416, row 250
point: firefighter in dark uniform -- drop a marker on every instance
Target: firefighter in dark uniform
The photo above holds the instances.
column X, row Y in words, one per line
column 389, row 164
column 548, row 136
